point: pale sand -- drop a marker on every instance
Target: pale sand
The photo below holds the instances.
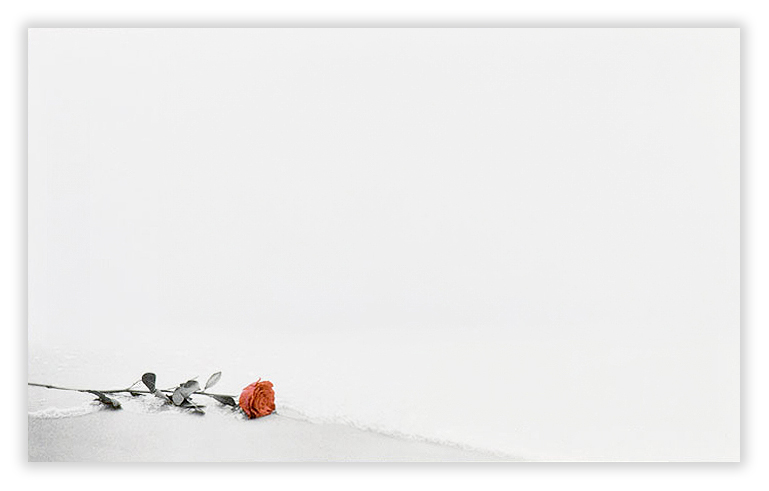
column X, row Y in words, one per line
column 122, row 436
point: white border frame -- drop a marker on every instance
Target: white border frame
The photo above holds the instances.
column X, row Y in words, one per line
column 751, row 17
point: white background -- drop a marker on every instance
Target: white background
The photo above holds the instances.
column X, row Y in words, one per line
column 595, row 13
column 548, row 218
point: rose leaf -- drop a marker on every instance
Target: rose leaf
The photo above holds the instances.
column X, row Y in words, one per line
column 213, row 379
column 104, row 399
column 149, row 380
column 178, row 397
column 226, row 400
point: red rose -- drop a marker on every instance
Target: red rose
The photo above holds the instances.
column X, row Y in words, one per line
column 258, row 399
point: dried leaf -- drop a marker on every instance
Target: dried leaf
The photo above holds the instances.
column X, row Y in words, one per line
column 149, row 380
column 184, row 391
column 226, row 400
column 161, row 395
column 189, row 404
column 194, row 408
column 104, row 399
column 213, row 379
column 178, row 397
column 189, row 387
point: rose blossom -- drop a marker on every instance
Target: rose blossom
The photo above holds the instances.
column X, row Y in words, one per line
column 258, row 399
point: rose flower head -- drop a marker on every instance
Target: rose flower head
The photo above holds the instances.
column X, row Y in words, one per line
column 258, row 399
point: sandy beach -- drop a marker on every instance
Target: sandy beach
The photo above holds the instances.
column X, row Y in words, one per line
column 122, row 436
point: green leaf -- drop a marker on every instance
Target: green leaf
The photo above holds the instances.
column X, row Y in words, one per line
column 212, row 380
column 149, row 380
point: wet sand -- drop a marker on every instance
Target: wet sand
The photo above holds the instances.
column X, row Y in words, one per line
column 122, row 436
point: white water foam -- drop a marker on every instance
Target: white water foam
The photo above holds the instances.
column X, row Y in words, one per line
column 141, row 404
column 69, row 412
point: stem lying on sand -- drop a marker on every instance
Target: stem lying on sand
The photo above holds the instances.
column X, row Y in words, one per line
column 118, row 391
